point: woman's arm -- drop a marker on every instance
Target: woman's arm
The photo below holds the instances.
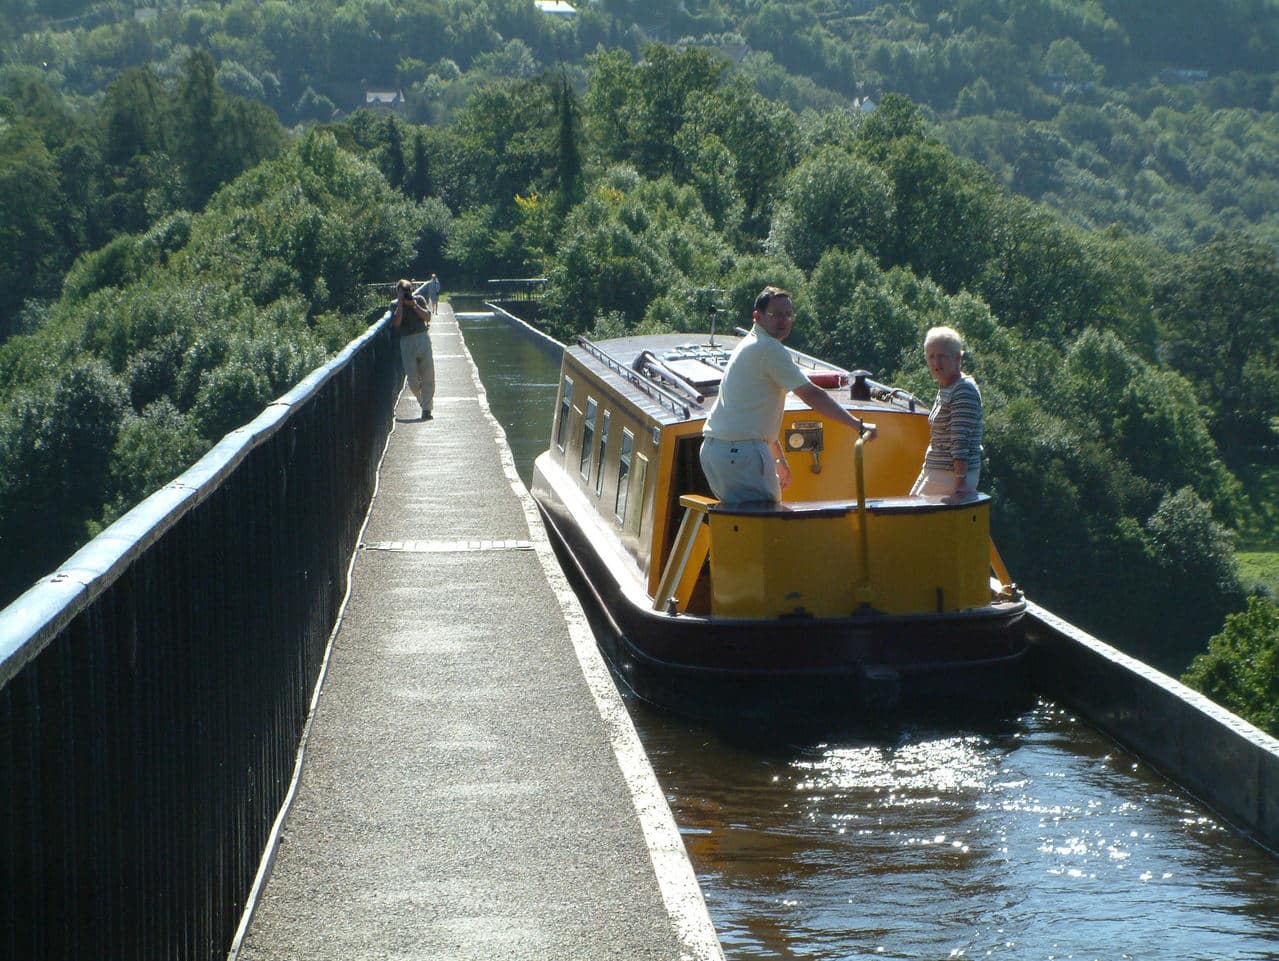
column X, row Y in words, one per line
column 965, row 421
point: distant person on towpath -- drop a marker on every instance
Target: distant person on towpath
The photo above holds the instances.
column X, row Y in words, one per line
column 741, row 451
column 433, row 294
column 952, row 463
column 411, row 324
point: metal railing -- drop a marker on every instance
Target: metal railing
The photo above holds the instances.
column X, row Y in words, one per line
column 154, row 689
column 515, row 288
column 653, row 390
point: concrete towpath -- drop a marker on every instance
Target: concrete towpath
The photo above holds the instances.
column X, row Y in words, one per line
column 471, row 785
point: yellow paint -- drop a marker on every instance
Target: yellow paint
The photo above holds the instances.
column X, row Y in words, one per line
column 687, row 556
column 893, row 458
column 920, row 561
column 773, row 565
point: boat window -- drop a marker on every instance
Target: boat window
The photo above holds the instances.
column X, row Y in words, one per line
column 641, row 487
column 566, row 406
column 623, row 476
column 588, row 437
column 599, row 471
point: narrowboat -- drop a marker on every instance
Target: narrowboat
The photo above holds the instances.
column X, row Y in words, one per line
column 850, row 597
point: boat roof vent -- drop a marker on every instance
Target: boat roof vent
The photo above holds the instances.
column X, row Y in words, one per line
column 698, row 373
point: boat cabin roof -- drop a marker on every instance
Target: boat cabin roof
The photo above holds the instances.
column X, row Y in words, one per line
column 675, row 377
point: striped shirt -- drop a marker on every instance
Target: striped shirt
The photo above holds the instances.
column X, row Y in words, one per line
column 954, row 424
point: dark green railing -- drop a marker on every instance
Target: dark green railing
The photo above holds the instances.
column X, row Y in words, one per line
column 515, row 289
column 154, row 689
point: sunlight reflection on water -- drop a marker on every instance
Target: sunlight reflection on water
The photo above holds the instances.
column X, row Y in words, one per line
column 1040, row 840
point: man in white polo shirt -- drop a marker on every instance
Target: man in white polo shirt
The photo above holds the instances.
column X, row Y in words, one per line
column 741, row 453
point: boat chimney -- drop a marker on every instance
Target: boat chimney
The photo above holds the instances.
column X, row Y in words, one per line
column 860, row 389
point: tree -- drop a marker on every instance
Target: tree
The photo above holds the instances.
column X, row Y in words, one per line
column 668, row 81
column 1148, row 416
column 132, row 117
column 762, row 136
column 942, row 213
column 421, row 185
column 1196, row 580
column 393, row 154
column 714, row 173
column 1240, row 668
column 568, row 158
column 511, row 129
column 832, row 199
column 56, row 439
column 863, row 324
column 611, row 104
column 314, row 106
column 1219, row 309
column 1066, row 58
column 637, row 110
column 29, row 215
column 151, row 449
column 194, row 114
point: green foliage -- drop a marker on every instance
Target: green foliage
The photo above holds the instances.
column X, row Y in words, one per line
column 511, row 129
column 116, row 264
column 152, row 448
column 316, row 222
column 29, row 215
column 1219, row 308
column 1074, row 521
column 639, row 108
column 625, row 245
column 569, row 188
column 1195, row 556
column 230, row 395
column 603, row 266
column 70, row 182
column 1147, row 416
column 1240, row 669
column 164, row 342
column 831, row 199
column 761, row 138
column 863, row 322
column 1259, row 525
column 56, row 439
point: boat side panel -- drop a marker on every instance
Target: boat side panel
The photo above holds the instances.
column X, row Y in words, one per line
column 600, row 481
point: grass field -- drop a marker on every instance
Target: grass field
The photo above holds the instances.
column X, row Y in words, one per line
column 1258, row 550
column 1260, row 568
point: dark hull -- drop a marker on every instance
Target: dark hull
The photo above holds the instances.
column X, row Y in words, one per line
column 773, row 670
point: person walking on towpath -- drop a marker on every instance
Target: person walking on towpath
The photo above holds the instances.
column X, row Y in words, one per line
column 411, row 323
column 433, row 293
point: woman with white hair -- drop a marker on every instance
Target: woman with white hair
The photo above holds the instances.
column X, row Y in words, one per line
column 952, row 463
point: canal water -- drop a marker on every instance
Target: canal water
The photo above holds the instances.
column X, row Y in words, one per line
column 1022, row 838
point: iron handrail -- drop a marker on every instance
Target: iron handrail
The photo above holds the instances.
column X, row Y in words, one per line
column 654, row 390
